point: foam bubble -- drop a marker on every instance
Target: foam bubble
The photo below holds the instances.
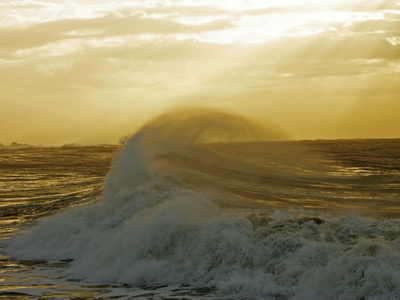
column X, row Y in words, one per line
column 151, row 227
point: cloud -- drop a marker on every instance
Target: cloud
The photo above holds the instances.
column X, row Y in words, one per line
column 344, row 5
column 323, row 47
column 376, row 26
column 103, row 74
column 36, row 35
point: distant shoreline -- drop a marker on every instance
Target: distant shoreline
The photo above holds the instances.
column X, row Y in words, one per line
column 25, row 146
column 16, row 145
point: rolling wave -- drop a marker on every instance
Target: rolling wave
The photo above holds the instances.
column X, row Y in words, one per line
column 177, row 209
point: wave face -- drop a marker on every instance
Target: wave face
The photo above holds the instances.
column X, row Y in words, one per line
column 178, row 210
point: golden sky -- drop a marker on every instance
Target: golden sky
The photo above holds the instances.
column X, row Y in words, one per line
column 92, row 71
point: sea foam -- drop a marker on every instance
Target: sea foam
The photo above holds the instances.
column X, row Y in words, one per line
column 153, row 227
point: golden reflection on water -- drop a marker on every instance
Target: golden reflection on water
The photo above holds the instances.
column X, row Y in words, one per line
column 359, row 176
column 44, row 280
column 320, row 176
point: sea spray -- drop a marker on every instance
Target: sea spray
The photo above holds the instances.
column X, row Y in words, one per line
column 153, row 225
column 136, row 182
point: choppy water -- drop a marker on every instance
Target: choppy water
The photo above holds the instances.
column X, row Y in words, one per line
column 37, row 181
column 173, row 219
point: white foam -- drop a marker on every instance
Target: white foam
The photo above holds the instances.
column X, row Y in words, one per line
column 150, row 228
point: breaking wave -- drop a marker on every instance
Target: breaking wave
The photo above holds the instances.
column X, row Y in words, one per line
column 167, row 217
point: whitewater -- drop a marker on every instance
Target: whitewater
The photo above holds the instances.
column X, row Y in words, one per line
column 207, row 200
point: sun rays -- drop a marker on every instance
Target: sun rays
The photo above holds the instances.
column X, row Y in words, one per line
column 306, row 65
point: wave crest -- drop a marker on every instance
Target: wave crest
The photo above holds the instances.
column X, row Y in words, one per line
column 150, row 227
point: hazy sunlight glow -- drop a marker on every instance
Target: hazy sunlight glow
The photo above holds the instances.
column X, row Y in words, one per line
column 93, row 71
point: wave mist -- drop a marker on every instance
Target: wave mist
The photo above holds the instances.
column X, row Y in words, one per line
column 153, row 226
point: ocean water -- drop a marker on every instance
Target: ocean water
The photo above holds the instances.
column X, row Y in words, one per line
column 189, row 214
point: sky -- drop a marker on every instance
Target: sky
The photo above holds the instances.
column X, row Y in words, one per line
column 93, row 71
